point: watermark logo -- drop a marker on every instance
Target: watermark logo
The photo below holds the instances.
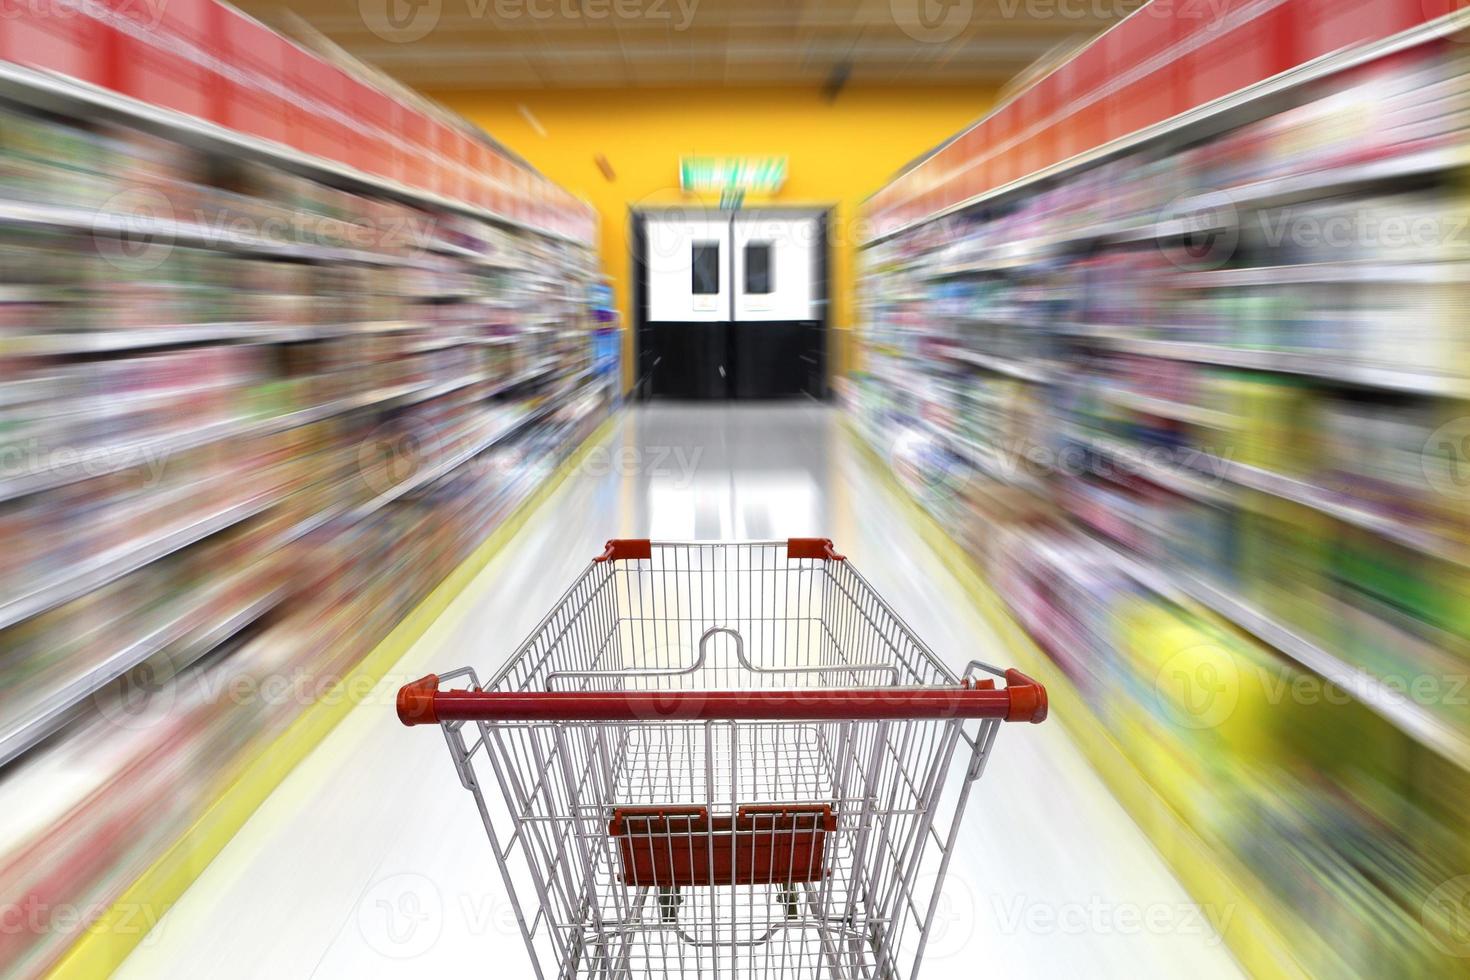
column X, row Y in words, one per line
column 673, row 245
column 953, row 925
column 1364, row 230
column 1022, row 460
column 133, row 230
column 1198, row 232
column 1446, row 916
column 401, row 916
column 396, row 452
column 932, row 21
column 140, row 697
column 672, row 466
column 1445, row 459
column 1106, row 11
column 137, row 229
column 1198, row 687
column 401, row 21
column 32, row 916
column 406, row 21
column 682, row 688
column 159, row 691
column 929, row 466
column 1284, row 685
column 1098, row 917
column 145, row 13
column 28, row 459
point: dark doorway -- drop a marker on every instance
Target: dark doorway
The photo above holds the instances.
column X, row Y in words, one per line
column 731, row 304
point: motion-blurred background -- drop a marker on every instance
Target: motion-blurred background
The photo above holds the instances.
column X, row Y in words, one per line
column 1159, row 312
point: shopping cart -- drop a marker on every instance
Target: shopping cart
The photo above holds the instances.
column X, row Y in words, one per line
column 722, row 760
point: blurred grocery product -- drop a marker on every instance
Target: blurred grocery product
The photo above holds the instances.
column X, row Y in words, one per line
column 1189, row 408
column 251, row 413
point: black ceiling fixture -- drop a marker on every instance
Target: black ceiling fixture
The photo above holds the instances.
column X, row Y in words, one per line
column 836, row 80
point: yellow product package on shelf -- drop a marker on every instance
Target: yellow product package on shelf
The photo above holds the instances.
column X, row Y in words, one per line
column 1203, row 685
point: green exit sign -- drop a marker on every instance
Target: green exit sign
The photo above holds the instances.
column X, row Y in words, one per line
column 757, row 175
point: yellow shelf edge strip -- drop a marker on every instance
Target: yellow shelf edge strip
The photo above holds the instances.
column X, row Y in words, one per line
column 106, row 943
column 1256, row 944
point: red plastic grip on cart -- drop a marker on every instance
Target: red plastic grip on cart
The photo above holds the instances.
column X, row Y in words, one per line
column 420, row 703
column 645, row 818
column 642, row 819
column 416, row 701
column 821, row 815
column 761, row 844
column 812, row 548
column 626, row 548
column 1028, row 698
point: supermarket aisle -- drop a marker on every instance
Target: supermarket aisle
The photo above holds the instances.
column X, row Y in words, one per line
column 370, row 860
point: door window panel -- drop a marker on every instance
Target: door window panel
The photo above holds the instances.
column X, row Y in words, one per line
column 758, row 278
column 706, row 265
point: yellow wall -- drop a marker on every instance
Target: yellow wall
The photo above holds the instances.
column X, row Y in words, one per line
column 838, row 152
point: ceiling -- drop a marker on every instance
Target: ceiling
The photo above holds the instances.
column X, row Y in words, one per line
column 442, row 45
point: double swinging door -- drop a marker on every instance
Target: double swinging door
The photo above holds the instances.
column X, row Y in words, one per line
column 731, row 303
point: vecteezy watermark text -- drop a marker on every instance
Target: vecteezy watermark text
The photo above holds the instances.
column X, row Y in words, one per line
column 147, row 13
column 1097, row 916
column 138, row 229
column 34, row 916
column 1202, row 686
column 405, row 21
column 29, row 459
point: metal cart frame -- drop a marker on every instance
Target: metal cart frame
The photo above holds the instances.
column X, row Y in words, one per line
column 723, row 760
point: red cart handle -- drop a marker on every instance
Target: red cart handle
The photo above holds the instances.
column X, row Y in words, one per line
column 633, row 549
column 422, row 703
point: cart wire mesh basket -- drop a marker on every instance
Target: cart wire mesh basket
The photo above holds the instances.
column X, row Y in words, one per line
column 722, row 760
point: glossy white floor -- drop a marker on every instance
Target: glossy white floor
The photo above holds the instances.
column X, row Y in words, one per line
column 370, row 861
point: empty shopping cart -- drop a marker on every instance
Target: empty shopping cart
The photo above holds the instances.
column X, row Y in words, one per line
column 722, row 760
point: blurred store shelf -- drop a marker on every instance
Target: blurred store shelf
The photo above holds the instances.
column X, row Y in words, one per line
column 254, row 406
column 1194, row 407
